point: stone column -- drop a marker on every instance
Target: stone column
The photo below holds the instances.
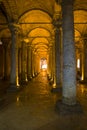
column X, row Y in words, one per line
column 36, row 64
column 23, row 63
column 26, row 54
column 17, row 66
column 48, row 64
column 58, row 55
column 19, row 63
column 54, row 66
column 51, row 64
column 13, row 59
column 69, row 61
column 33, row 62
column 29, row 63
column 81, row 63
column 85, row 62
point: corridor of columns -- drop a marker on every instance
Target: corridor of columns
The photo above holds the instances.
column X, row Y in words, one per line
column 43, row 64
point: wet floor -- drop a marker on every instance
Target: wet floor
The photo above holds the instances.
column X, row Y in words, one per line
column 33, row 108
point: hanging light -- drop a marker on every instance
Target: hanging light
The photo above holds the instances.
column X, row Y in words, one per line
column 0, row 42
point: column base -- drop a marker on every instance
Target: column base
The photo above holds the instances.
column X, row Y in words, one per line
column 57, row 89
column 51, row 81
column 29, row 78
column 33, row 76
column 13, row 88
column 23, row 83
column 83, row 81
column 64, row 109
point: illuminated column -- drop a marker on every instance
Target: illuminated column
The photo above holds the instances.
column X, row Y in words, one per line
column 17, row 66
column 85, row 61
column 29, row 62
column 19, row 63
column 26, row 74
column 13, row 59
column 69, row 62
column 58, row 55
column 81, row 63
column 54, row 66
column 34, row 64
column 78, row 60
column 23, row 63
column 32, row 67
column 50, row 64
column 37, row 64
column 49, row 73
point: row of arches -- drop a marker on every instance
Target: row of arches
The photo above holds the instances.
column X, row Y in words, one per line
column 36, row 30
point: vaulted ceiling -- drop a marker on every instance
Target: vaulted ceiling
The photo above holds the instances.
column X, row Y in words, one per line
column 34, row 18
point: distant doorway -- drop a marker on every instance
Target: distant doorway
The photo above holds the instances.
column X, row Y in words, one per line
column 43, row 63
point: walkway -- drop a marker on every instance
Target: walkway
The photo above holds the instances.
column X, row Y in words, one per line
column 33, row 108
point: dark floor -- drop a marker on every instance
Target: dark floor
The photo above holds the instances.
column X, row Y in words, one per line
column 33, row 108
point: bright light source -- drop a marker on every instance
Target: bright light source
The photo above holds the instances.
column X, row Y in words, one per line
column 43, row 63
column 78, row 63
column 44, row 66
column 0, row 42
column 17, row 82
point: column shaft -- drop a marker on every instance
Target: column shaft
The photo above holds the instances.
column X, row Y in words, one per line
column 54, row 66
column 23, row 63
column 69, row 62
column 13, row 60
column 58, row 55
column 85, row 74
column 29, row 62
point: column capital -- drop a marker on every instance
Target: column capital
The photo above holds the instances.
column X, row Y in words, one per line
column 57, row 23
column 14, row 27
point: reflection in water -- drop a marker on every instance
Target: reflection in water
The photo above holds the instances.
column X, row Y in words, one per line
column 43, row 72
column 17, row 99
column 82, row 89
column 54, row 85
column 37, row 92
